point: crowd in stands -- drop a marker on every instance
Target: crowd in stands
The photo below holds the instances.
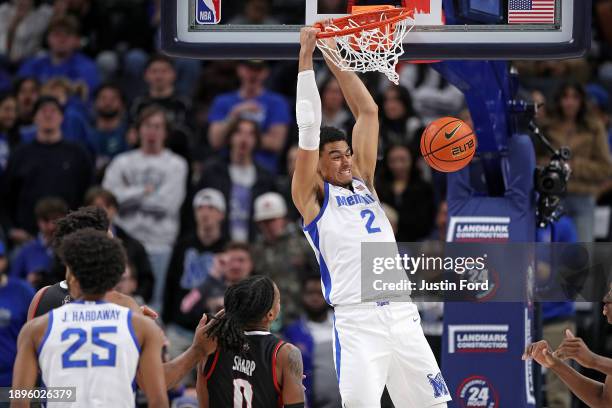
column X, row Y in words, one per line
column 192, row 161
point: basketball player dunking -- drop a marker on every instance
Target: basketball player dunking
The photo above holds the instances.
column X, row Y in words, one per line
column 376, row 343
column 90, row 344
column 251, row 367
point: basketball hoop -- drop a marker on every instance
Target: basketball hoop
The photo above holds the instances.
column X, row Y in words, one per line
column 367, row 41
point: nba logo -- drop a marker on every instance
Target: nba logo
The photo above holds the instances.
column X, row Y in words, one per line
column 208, row 11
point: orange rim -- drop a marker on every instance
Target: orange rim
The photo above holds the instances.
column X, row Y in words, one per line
column 400, row 14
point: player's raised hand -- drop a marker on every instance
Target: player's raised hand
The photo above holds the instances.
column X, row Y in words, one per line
column 575, row 348
column 540, row 351
column 201, row 341
column 308, row 39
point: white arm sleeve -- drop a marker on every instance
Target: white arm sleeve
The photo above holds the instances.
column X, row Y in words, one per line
column 308, row 111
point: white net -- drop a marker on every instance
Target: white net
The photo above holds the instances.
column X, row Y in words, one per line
column 376, row 49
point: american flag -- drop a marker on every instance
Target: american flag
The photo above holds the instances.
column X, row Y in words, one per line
column 531, row 12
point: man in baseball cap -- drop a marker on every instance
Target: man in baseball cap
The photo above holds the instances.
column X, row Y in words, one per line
column 282, row 253
column 209, row 197
column 191, row 264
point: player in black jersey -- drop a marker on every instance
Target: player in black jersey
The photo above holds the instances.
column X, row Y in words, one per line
column 54, row 296
column 251, row 367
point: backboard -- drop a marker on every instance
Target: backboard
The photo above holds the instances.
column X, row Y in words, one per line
column 444, row 29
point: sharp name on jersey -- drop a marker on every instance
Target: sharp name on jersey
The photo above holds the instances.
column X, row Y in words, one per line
column 243, row 365
column 346, row 220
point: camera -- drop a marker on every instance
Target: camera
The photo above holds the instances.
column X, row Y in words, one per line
column 551, row 181
column 552, row 178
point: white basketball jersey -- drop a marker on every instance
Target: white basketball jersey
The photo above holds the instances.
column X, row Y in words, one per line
column 91, row 346
column 347, row 218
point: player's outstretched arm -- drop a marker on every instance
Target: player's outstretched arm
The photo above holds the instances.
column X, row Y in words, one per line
column 365, row 131
column 592, row 393
column 25, row 370
column 150, row 363
column 201, row 347
column 306, row 179
column 292, row 371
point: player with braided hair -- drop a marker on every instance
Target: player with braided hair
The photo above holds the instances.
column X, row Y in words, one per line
column 250, row 364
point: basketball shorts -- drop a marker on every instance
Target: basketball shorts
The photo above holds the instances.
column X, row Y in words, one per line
column 383, row 344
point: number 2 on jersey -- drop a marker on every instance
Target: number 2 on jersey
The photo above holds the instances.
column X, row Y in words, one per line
column 370, row 215
column 81, row 335
column 243, row 393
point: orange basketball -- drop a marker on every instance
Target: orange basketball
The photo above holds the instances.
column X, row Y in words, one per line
column 448, row 144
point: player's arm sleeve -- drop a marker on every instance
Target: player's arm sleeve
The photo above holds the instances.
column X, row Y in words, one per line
column 308, row 116
column 308, row 111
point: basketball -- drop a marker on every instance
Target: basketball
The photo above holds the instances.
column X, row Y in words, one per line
column 448, row 144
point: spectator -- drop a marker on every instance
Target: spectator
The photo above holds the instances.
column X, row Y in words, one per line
column 253, row 101
column 399, row 123
column 34, row 260
column 72, row 97
column 255, row 12
column 150, row 185
column 333, row 109
column 136, row 253
column 63, row 59
column 432, row 95
column 22, row 27
column 110, row 125
column 192, row 260
column 232, row 266
column 281, row 253
column 26, row 91
column 160, row 75
column 402, row 187
column 49, row 166
column 9, row 136
column 15, row 298
column 571, row 124
column 239, row 179
column 313, row 335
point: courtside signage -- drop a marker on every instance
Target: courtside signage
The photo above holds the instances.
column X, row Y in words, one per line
column 483, row 338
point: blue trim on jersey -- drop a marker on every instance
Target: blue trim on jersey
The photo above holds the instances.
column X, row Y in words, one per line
column 338, row 350
column 82, row 302
column 322, row 210
column 47, row 332
column 313, row 232
column 131, row 329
